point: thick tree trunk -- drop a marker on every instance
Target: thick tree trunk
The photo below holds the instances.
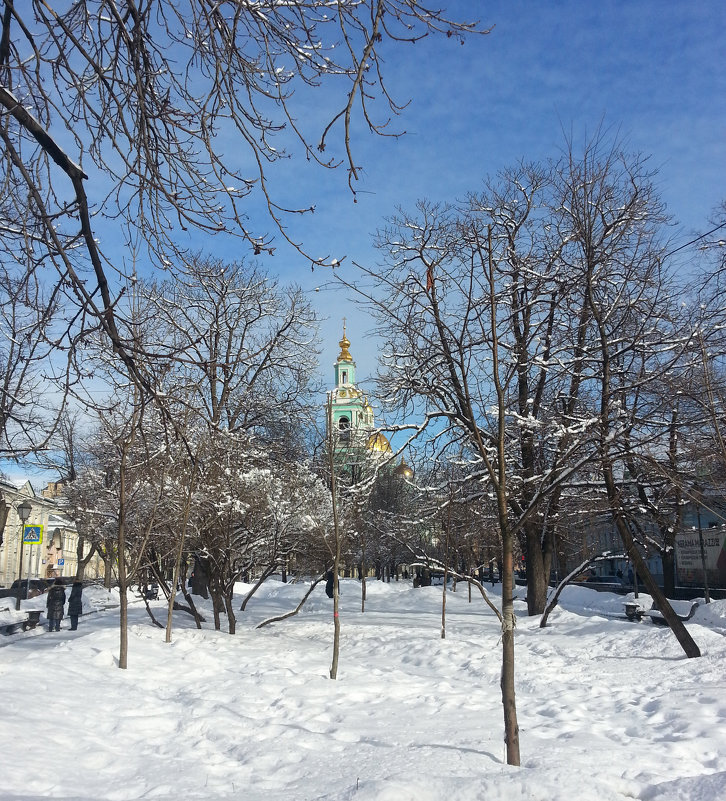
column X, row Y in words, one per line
column 81, row 560
column 537, row 577
column 669, row 571
column 108, row 565
column 123, row 658
column 200, row 578
column 216, row 607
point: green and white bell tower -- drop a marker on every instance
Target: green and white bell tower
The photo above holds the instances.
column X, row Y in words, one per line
column 352, row 414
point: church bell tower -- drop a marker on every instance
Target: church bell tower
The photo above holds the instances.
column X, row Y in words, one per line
column 351, row 412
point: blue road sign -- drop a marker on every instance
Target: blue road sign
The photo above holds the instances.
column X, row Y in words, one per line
column 33, row 534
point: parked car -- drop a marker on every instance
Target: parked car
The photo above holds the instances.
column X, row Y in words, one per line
column 605, row 580
column 32, row 590
column 65, row 580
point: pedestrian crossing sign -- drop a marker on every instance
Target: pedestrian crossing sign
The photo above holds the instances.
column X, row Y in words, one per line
column 33, row 534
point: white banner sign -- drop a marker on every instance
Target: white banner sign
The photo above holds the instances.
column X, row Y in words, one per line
column 688, row 549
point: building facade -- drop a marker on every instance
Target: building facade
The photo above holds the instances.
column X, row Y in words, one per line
column 701, row 543
column 56, row 554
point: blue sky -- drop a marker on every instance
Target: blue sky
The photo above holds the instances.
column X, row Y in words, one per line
column 650, row 70
column 654, row 71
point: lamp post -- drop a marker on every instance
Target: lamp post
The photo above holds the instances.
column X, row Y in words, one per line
column 24, row 509
column 703, row 550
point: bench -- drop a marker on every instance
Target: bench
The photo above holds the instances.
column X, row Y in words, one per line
column 28, row 620
column 634, row 611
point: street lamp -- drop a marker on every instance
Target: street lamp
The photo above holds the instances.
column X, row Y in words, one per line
column 24, row 510
column 698, row 497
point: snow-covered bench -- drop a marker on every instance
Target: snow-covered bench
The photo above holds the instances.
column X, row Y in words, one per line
column 634, row 611
column 12, row 620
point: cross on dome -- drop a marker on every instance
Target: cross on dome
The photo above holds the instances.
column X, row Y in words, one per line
column 344, row 343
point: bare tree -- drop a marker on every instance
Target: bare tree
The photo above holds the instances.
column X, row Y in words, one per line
column 120, row 112
column 612, row 218
column 705, row 385
column 117, row 496
column 239, row 360
column 529, row 324
column 29, row 363
column 239, row 349
column 444, row 321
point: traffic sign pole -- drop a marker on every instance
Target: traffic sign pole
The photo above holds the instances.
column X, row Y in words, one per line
column 20, row 574
column 30, row 562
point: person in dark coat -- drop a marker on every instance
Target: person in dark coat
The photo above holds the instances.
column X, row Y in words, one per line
column 55, row 603
column 329, row 584
column 75, row 604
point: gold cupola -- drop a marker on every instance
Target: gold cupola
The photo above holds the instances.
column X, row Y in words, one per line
column 344, row 365
column 344, row 343
column 378, row 443
column 403, row 471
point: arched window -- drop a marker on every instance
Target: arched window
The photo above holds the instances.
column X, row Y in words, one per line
column 344, row 427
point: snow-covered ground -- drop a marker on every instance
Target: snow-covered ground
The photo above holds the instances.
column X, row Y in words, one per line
column 608, row 709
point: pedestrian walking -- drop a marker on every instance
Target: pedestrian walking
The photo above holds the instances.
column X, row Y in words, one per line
column 55, row 603
column 75, row 604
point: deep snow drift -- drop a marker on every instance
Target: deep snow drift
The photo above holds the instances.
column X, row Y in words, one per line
column 608, row 709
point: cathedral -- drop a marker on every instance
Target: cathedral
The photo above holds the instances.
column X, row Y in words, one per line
column 354, row 429
column 351, row 413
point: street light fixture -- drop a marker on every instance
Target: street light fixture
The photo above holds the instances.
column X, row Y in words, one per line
column 24, row 509
column 699, row 497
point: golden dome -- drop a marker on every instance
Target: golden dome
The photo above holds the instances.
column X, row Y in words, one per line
column 344, row 343
column 378, row 442
column 403, row 470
